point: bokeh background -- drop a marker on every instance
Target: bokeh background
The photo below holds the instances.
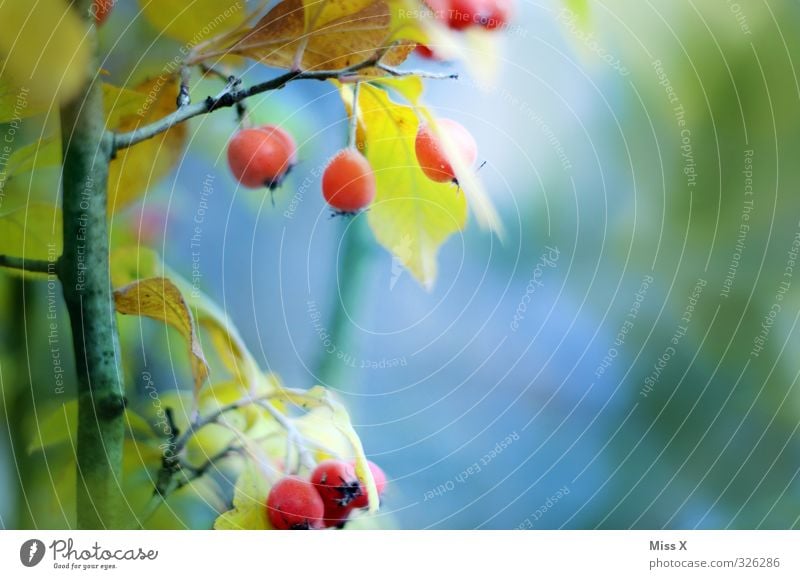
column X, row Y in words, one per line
column 625, row 358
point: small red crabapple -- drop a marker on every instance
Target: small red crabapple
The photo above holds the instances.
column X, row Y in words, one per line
column 426, row 52
column 336, row 482
column 348, row 183
column 294, row 504
column 462, row 14
column 336, row 515
column 101, row 9
column 261, row 157
column 431, row 154
column 362, row 501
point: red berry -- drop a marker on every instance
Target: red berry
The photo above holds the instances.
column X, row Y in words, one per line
column 336, row 482
column 100, row 10
column 426, row 52
column 294, row 503
column 337, row 515
column 286, row 139
column 362, row 501
column 498, row 13
column 431, row 154
column 465, row 13
column 261, row 157
column 348, row 183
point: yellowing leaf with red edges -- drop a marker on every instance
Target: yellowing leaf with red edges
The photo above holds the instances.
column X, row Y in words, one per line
column 345, row 33
column 249, row 510
column 411, row 216
column 141, row 166
column 194, row 21
column 43, row 50
column 158, row 298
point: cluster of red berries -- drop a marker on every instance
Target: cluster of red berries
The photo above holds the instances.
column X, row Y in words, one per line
column 326, row 500
column 462, row 14
column 263, row 156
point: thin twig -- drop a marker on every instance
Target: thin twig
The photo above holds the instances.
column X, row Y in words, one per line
column 202, row 421
column 391, row 71
column 33, row 265
column 352, row 140
column 228, row 99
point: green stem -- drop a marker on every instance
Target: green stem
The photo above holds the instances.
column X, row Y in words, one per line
column 84, row 272
column 35, row 265
column 356, row 254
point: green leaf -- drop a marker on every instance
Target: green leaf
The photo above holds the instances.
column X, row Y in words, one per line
column 160, row 299
column 61, row 424
column 15, row 104
column 249, row 510
column 33, row 232
column 34, row 156
column 131, row 263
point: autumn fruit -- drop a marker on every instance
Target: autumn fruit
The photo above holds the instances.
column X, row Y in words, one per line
column 465, row 13
column 348, row 183
column 336, row 482
column 294, row 504
column 427, row 52
column 261, row 157
column 498, row 14
column 337, row 515
column 101, row 9
column 431, row 154
column 362, row 501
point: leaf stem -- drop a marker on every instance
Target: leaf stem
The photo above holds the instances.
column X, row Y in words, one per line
column 354, row 264
column 352, row 140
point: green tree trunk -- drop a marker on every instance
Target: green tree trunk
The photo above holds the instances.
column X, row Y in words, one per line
column 84, row 272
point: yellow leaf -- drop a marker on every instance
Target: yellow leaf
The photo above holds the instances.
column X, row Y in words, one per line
column 33, row 232
column 225, row 339
column 195, row 21
column 328, row 424
column 249, row 510
column 341, row 33
column 141, row 166
column 411, row 215
column 160, row 299
column 43, row 49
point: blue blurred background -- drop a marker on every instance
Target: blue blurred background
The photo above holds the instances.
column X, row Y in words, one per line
column 613, row 362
